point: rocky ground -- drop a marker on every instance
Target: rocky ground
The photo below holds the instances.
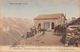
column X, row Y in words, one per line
column 12, row 29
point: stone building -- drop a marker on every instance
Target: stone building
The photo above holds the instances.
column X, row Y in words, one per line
column 49, row 21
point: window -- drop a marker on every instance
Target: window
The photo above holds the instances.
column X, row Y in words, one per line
column 46, row 25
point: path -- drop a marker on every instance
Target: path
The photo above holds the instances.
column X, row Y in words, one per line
column 48, row 39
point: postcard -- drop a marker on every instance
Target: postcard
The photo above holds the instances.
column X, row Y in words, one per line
column 39, row 25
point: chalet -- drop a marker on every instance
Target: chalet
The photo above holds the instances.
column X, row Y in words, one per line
column 49, row 21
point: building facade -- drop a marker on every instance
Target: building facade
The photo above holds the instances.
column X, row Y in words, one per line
column 49, row 21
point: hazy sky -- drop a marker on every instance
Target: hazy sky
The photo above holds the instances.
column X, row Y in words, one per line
column 32, row 8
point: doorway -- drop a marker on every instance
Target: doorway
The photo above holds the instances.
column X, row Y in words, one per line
column 52, row 25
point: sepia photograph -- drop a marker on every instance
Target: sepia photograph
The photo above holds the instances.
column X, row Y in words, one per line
column 53, row 23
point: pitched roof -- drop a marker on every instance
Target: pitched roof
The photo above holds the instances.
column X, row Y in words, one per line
column 49, row 16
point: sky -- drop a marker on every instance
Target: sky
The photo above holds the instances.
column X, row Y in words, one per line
column 32, row 8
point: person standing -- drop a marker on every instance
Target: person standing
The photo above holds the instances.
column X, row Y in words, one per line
column 39, row 27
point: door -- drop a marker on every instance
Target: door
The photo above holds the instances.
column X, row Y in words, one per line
column 46, row 25
column 52, row 25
